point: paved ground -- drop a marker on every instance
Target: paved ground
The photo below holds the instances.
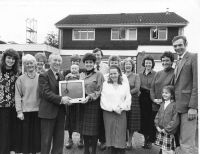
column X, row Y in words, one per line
column 138, row 141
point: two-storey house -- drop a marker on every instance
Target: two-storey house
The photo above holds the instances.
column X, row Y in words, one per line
column 126, row 34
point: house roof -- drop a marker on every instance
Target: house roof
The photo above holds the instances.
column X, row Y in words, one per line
column 138, row 19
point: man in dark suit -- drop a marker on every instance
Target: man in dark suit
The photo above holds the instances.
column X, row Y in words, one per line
column 186, row 94
column 51, row 109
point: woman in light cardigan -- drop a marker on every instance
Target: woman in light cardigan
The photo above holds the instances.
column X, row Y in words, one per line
column 27, row 105
column 115, row 101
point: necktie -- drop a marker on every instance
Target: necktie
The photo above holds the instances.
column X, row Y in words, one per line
column 98, row 67
column 57, row 77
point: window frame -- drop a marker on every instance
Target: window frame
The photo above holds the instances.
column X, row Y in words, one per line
column 159, row 29
column 126, row 31
column 84, row 30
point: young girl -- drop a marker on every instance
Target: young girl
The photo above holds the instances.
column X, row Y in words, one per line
column 167, row 121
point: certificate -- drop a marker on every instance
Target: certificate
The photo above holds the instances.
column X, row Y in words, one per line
column 75, row 89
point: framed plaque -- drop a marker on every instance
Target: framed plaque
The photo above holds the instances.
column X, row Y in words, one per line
column 75, row 89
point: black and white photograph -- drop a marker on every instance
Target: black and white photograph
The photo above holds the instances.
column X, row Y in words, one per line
column 99, row 76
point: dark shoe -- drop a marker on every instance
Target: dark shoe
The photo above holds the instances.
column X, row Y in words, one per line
column 69, row 144
column 102, row 146
column 148, row 145
column 80, row 144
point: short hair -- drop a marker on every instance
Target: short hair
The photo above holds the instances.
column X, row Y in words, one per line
column 11, row 53
column 114, row 58
column 89, row 56
column 180, row 37
column 132, row 63
column 54, row 54
column 148, row 58
column 28, row 57
column 41, row 57
column 120, row 79
column 169, row 55
column 171, row 90
column 75, row 57
column 96, row 50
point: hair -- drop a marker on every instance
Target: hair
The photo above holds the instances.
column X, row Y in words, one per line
column 120, row 79
column 96, row 50
column 132, row 63
column 170, row 89
column 168, row 54
column 11, row 53
column 180, row 37
column 41, row 57
column 114, row 58
column 148, row 58
column 28, row 57
column 54, row 54
column 75, row 57
column 89, row 56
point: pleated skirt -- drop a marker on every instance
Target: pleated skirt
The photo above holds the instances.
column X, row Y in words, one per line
column 115, row 129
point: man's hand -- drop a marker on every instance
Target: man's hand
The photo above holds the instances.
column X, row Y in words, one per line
column 20, row 116
column 192, row 114
column 66, row 100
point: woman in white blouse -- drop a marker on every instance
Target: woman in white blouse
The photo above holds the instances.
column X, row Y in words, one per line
column 115, row 101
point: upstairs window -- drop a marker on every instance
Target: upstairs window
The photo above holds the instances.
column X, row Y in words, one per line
column 83, row 34
column 124, row 34
column 158, row 34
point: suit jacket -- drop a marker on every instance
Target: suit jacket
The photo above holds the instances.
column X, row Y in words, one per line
column 185, row 82
column 49, row 93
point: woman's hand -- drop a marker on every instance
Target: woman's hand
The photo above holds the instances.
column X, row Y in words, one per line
column 118, row 110
column 157, row 101
column 158, row 129
column 87, row 99
column 20, row 116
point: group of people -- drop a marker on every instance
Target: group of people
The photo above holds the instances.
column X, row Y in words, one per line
column 160, row 105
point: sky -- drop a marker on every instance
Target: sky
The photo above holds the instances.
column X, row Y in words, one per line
column 13, row 15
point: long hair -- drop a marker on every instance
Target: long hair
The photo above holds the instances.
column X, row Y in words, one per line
column 120, row 79
column 15, row 55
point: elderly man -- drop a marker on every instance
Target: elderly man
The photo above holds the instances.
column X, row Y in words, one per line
column 186, row 94
column 51, row 109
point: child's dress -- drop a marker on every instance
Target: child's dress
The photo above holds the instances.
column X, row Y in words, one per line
column 168, row 120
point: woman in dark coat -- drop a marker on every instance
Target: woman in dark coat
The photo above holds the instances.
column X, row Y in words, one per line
column 133, row 116
column 146, row 78
column 91, row 108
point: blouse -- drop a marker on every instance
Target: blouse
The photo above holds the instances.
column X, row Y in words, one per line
column 114, row 96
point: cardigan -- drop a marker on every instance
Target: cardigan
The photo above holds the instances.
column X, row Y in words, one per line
column 167, row 119
column 161, row 79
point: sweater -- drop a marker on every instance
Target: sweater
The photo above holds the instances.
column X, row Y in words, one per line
column 27, row 94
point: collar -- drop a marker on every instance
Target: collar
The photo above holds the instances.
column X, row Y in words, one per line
column 148, row 73
column 182, row 55
column 167, row 102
